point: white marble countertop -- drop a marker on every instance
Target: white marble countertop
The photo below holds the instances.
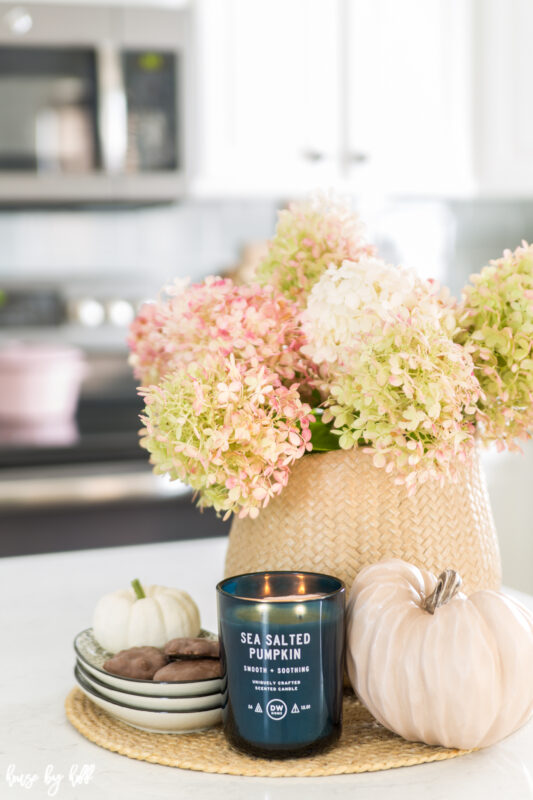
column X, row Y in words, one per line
column 46, row 600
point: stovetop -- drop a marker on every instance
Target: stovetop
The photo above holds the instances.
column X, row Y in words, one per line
column 104, row 430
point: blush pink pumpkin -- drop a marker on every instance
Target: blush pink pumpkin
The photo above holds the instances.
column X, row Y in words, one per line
column 436, row 666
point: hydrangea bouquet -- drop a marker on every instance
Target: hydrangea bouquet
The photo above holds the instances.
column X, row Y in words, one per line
column 331, row 348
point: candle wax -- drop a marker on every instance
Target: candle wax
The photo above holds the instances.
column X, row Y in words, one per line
column 287, row 598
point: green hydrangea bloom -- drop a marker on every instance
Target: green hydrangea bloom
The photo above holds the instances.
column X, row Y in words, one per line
column 409, row 400
column 310, row 235
column 229, row 430
column 495, row 321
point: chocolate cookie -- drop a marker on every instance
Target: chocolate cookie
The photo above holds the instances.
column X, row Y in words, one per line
column 136, row 662
column 192, row 648
column 197, row 669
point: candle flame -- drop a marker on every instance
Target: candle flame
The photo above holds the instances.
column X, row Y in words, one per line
column 266, row 588
column 301, row 585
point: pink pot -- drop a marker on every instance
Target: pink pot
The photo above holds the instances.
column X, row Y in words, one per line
column 39, row 382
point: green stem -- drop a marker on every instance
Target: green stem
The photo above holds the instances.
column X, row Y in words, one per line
column 138, row 589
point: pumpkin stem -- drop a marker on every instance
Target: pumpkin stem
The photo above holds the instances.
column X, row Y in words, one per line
column 448, row 584
column 138, row 589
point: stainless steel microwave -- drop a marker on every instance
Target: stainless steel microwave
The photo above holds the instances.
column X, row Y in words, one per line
column 95, row 103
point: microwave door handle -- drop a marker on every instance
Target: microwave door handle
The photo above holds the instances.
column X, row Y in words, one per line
column 112, row 109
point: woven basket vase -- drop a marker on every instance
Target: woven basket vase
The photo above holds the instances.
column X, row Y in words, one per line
column 339, row 513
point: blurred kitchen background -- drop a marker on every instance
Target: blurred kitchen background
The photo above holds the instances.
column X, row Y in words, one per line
column 142, row 141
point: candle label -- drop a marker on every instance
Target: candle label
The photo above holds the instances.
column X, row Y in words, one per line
column 276, row 681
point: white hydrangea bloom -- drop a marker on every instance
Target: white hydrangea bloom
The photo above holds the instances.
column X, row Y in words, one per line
column 360, row 301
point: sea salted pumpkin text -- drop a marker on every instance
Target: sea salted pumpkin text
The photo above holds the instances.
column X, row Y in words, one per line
column 275, row 647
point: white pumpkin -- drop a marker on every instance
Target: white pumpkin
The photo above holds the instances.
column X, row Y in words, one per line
column 434, row 665
column 136, row 617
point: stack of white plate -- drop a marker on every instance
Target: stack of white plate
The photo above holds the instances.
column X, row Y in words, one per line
column 162, row 707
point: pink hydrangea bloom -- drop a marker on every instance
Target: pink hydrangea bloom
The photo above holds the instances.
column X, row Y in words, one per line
column 229, row 429
column 217, row 316
column 148, row 343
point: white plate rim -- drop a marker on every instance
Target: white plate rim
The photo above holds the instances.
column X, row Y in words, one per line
column 90, row 691
column 110, row 693
column 86, row 673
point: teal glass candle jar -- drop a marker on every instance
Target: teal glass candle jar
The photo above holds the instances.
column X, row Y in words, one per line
column 282, row 651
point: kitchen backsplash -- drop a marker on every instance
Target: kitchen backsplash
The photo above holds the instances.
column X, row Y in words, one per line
column 151, row 245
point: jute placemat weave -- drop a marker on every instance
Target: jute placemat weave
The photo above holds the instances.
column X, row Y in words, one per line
column 365, row 746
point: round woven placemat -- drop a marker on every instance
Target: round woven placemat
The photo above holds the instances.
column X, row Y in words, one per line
column 365, row 746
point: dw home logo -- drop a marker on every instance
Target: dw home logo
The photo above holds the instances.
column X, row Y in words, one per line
column 276, row 709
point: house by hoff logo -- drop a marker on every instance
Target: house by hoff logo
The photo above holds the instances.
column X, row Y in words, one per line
column 51, row 781
column 276, row 709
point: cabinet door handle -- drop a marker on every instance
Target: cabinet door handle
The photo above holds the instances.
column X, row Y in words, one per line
column 313, row 155
column 357, row 157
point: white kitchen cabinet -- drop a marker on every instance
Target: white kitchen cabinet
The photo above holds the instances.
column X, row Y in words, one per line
column 504, row 111
column 407, row 121
column 365, row 95
column 268, row 92
column 374, row 97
